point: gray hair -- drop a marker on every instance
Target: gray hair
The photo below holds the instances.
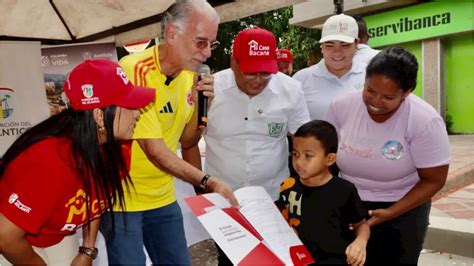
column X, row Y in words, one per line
column 180, row 12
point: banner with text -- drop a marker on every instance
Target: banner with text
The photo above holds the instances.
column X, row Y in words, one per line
column 58, row 61
column 22, row 95
column 419, row 22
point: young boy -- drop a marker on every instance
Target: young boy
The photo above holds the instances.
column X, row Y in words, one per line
column 320, row 206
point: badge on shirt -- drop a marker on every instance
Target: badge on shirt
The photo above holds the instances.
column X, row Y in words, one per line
column 274, row 129
column 392, row 150
column 189, row 99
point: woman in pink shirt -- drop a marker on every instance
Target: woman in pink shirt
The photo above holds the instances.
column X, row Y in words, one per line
column 394, row 147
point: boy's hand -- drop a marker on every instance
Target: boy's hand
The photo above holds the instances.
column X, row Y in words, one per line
column 356, row 253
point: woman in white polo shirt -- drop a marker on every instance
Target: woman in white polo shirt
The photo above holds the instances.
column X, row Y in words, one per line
column 337, row 73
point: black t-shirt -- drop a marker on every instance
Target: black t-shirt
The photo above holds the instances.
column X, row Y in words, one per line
column 321, row 215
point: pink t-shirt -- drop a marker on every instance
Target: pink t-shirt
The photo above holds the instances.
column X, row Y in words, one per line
column 381, row 159
column 39, row 192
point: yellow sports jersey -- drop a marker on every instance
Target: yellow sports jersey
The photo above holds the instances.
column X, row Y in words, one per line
column 165, row 119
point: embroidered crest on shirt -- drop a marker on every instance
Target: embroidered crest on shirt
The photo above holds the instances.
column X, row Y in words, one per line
column 275, row 129
column 14, row 199
column 189, row 99
column 392, row 150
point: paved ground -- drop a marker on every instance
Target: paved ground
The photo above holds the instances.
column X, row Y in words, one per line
column 203, row 253
column 455, row 200
column 459, row 204
column 436, row 258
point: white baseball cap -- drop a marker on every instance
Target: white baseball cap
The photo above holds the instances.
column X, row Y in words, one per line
column 340, row 28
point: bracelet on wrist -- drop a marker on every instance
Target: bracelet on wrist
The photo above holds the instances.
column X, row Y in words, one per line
column 89, row 252
column 204, row 180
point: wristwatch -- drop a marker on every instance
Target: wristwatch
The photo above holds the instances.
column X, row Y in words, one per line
column 89, row 252
column 204, row 180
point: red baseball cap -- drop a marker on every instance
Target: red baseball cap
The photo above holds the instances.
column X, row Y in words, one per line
column 284, row 55
column 100, row 83
column 255, row 51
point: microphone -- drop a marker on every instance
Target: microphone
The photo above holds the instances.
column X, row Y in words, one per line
column 202, row 100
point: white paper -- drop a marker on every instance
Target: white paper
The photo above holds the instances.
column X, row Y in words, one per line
column 229, row 235
column 259, row 209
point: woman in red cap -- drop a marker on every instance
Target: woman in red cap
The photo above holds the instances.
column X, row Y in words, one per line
column 63, row 173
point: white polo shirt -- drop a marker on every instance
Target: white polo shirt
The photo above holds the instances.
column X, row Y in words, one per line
column 364, row 53
column 246, row 141
column 320, row 86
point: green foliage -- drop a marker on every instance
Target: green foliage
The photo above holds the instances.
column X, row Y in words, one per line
column 301, row 41
column 449, row 123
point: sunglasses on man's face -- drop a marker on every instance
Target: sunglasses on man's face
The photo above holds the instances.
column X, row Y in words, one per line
column 201, row 43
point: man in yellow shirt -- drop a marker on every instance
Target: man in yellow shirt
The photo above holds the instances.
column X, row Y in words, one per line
column 152, row 216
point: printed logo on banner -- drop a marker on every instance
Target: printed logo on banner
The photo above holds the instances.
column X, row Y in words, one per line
column 87, row 55
column 45, row 61
column 6, row 98
column 59, row 59
column 8, row 125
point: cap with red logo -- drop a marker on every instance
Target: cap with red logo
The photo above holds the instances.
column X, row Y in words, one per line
column 100, row 83
column 284, row 55
column 255, row 51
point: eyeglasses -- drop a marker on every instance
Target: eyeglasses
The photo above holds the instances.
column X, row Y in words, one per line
column 264, row 76
column 201, row 43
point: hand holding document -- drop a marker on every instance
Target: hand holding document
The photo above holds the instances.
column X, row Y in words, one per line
column 254, row 234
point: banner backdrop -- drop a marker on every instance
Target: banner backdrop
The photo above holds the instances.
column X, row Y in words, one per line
column 22, row 94
column 58, row 61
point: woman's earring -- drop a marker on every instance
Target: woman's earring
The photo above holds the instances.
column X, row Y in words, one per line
column 101, row 130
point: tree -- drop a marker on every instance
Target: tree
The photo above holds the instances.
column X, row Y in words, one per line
column 303, row 42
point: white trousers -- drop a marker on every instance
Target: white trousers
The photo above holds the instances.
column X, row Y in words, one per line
column 60, row 254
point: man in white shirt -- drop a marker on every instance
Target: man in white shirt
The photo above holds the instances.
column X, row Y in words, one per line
column 364, row 52
column 336, row 73
column 255, row 107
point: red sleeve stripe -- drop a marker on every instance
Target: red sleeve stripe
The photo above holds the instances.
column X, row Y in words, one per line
column 140, row 68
